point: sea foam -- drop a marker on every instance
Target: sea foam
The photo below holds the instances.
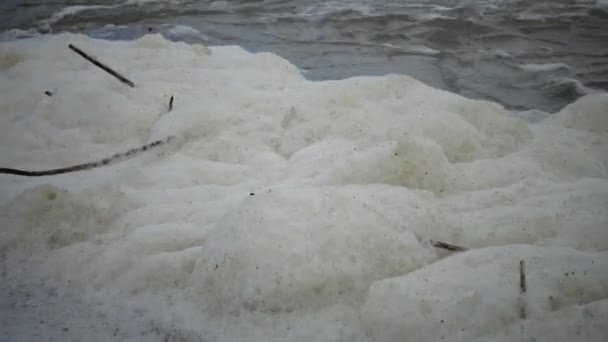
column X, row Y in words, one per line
column 287, row 209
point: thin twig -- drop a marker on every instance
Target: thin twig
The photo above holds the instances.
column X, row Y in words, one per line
column 448, row 246
column 102, row 66
column 86, row 166
column 522, row 289
column 171, row 103
column 522, row 276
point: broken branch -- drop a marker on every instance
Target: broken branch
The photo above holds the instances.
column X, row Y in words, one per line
column 102, row 66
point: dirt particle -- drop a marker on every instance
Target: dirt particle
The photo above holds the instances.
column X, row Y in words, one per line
column 554, row 304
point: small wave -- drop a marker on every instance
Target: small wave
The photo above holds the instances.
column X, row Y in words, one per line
column 437, row 8
column 14, row 34
column 601, row 4
column 413, row 49
column 530, row 115
column 502, row 54
column 432, row 16
column 568, row 88
column 530, row 16
column 137, row 2
column 599, row 9
column 345, row 11
column 331, row 7
column 72, row 10
column 532, row 67
column 116, row 32
column 184, row 31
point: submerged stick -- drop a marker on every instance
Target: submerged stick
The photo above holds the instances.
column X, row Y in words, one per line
column 87, row 166
column 522, row 289
column 448, row 246
column 102, row 66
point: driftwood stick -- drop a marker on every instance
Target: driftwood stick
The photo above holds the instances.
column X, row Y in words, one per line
column 102, row 66
column 86, row 166
column 522, row 289
column 448, row 246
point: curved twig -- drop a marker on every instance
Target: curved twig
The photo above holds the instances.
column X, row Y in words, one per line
column 86, row 166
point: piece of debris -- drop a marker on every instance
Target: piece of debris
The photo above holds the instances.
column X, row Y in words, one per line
column 48, row 93
column 171, row 103
column 522, row 289
column 448, row 246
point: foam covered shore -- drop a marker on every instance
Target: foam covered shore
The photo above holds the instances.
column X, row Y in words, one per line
column 287, row 209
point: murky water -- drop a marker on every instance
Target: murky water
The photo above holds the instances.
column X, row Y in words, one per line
column 524, row 54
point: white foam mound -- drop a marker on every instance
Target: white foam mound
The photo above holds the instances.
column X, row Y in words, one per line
column 286, row 209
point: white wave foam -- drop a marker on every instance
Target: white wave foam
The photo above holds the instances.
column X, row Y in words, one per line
column 290, row 210
column 414, row 49
column 328, row 7
column 183, row 31
column 575, row 84
column 74, row 10
column 143, row 2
